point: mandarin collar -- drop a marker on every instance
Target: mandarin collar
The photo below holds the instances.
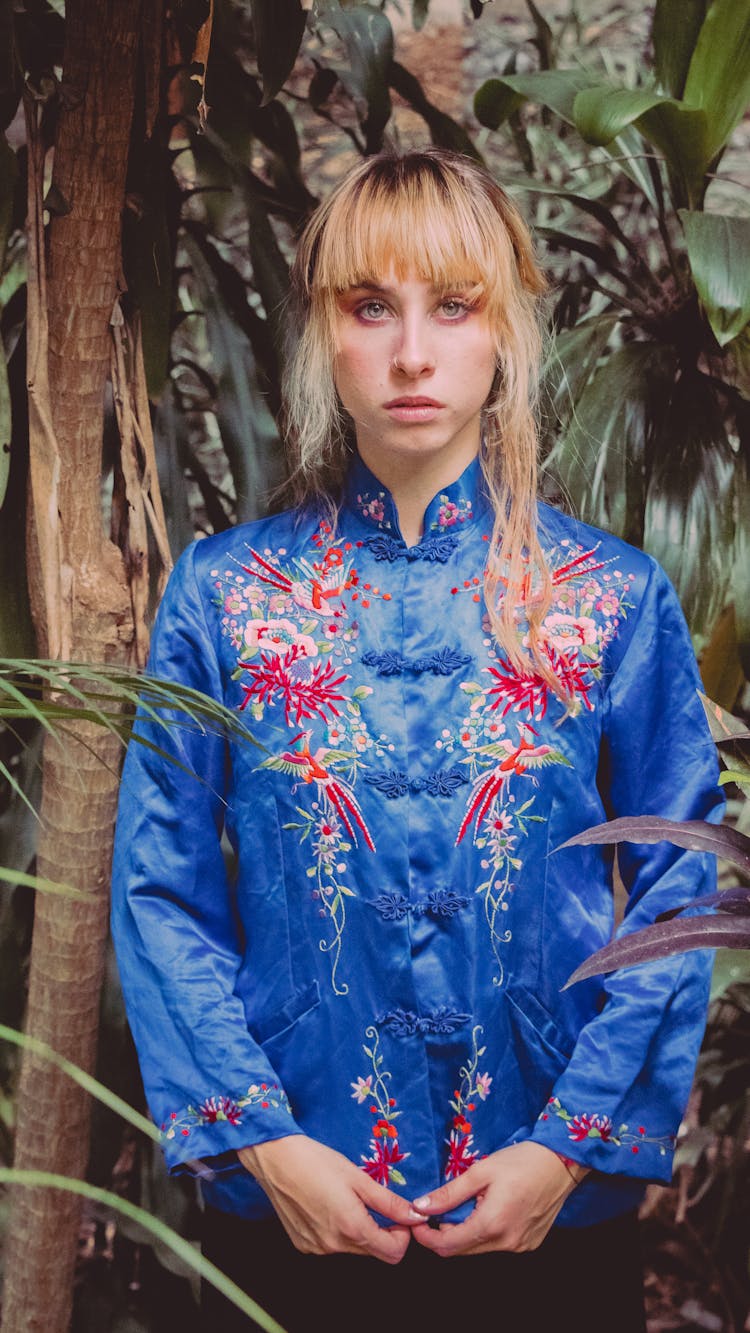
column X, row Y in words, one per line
column 454, row 508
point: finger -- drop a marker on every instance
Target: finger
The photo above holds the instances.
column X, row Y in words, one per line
column 451, row 1195
column 452, row 1239
column 388, row 1204
column 386, row 1243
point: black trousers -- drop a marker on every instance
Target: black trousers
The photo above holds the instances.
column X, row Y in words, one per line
column 585, row 1280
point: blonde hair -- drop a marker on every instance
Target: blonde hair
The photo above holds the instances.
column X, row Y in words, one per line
column 440, row 216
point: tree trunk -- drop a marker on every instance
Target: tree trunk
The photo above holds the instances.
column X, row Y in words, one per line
column 78, row 581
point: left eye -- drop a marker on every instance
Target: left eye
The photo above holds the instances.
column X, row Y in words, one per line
column 452, row 307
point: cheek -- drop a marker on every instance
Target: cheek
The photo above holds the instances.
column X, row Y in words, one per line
column 355, row 372
column 476, row 366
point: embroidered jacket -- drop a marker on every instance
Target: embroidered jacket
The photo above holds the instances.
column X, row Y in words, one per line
column 384, row 970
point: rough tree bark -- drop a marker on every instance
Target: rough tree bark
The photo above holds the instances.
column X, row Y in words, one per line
column 82, row 606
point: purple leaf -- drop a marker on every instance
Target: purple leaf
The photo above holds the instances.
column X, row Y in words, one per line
column 695, row 834
column 663, row 940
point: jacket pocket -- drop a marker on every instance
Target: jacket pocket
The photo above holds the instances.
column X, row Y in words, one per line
column 274, row 1026
column 541, row 1050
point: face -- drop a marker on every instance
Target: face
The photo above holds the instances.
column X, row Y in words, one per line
column 414, row 367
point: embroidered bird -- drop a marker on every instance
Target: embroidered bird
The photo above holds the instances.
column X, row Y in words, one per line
column 320, row 584
column 517, row 760
column 581, row 564
column 310, row 766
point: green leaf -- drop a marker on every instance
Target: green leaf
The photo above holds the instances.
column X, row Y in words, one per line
column 495, row 102
column 153, row 1227
column 444, row 131
column 79, row 1076
column 37, row 882
column 674, row 34
column 572, row 357
column 719, row 251
column 368, row 38
column 688, row 524
column 248, row 432
column 718, row 80
column 558, row 90
column 599, row 458
column 147, row 257
column 601, row 115
column 278, row 26
column 554, row 88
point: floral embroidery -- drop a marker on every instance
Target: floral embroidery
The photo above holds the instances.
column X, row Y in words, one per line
column 217, row 1109
column 385, row 1151
column 293, row 625
column 449, row 513
column 589, row 600
column 329, row 844
column 373, row 507
column 498, row 842
column 585, row 1125
column 303, row 686
column 461, row 1151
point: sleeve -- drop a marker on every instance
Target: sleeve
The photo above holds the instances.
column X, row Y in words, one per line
column 619, row 1102
column 208, row 1083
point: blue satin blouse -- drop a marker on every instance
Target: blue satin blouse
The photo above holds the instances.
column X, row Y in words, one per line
column 383, row 971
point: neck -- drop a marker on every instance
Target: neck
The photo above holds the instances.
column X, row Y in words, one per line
column 413, row 483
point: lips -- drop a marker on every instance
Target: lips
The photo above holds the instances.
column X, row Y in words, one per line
column 414, row 401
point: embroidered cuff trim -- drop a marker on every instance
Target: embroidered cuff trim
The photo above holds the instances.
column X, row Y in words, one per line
column 596, row 1125
column 219, row 1108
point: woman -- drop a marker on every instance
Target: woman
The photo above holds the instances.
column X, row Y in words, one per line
column 365, row 1034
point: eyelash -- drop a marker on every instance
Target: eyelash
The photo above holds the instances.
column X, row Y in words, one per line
column 463, row 308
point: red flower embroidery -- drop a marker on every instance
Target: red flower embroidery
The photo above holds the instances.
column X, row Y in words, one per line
column 305, row 685
column 386, row 1156
column 220, row 1108
column 460, row 1154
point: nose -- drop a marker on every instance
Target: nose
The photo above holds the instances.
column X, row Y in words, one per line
column 413, row 353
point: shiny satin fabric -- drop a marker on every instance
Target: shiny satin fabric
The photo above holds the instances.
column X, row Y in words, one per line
column 383, row 971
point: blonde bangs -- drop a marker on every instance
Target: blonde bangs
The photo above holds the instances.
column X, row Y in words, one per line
column 423, row 226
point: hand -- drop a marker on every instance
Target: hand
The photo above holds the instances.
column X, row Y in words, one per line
column 322, row 1200
column 518, row 1190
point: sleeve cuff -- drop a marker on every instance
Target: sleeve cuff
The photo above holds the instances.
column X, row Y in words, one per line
column 203, row 1137
column 595, row 1140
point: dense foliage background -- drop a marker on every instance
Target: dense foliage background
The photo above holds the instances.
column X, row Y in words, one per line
column 622, row 130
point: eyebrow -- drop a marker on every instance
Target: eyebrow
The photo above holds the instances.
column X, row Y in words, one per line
column 379, row 289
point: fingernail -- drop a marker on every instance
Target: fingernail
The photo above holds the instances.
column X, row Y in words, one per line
column 422, row 1203
column 414, row 1216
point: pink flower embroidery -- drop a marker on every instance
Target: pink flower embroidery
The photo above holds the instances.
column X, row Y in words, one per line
column 564, row 631
column 276, row 636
